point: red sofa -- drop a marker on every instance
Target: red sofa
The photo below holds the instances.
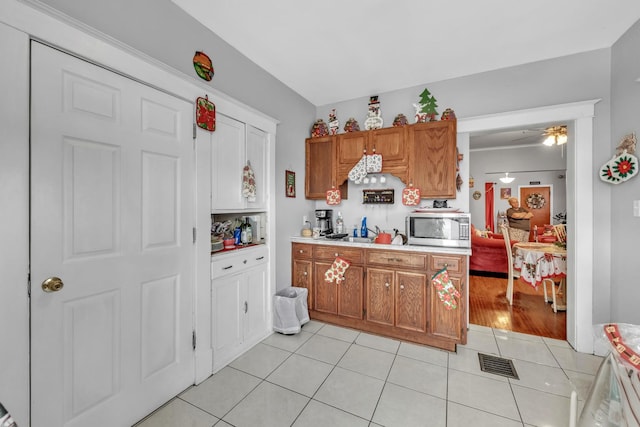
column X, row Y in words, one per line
column 488, row 254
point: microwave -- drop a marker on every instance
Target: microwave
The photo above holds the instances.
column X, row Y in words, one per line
column 451, row 229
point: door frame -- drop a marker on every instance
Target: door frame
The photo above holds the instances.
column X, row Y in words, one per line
column 579, row 202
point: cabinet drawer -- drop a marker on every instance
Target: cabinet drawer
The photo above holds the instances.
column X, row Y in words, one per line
column 239, row 262
column 397, row 258
column 454, row 264
column 331, row 252
column 301, row 250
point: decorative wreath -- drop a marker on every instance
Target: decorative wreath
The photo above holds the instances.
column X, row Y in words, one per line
column 535, row 201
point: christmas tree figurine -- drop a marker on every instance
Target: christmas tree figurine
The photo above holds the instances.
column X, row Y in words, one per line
column 427, row 107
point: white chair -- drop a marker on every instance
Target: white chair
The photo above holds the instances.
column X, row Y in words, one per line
column 512, row 272
column 556, row 288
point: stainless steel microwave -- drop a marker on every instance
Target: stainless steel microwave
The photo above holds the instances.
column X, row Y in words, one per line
column 451, row 229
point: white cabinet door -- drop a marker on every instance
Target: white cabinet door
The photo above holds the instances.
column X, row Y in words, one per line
column 227, row 161
column 257, row 155
column 257, row 303
column 228, row 310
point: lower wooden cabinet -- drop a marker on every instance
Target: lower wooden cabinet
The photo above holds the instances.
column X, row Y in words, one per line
column 386, row 292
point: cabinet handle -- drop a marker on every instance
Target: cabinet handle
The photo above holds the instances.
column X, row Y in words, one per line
column 259, row 258
column 394, row 259
column 305, row 273
column 244, row 261
column 387, row 285
column 227, row 267
column 301, row 251
column 246, row 306
column 401, row 287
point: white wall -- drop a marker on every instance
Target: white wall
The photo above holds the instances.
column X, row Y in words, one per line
column 624, row 227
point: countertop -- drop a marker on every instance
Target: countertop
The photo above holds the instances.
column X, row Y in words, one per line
column 406, row 248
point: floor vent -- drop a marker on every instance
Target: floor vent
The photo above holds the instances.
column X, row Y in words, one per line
column 497, row 365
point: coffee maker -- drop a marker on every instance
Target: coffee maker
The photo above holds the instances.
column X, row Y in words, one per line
column 324, row 221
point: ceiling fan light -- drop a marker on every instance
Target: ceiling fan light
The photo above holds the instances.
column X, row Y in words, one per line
column 549, row 141
column 562, row 139
column 506, row 179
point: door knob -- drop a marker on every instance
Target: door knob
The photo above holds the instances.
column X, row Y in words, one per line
column 52, row 284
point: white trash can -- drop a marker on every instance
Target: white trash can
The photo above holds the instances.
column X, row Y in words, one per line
column 290, row 310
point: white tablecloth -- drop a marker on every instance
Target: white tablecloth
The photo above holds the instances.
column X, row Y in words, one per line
column 537, row 261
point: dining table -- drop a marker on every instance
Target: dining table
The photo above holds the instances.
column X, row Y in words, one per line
column 537, row 261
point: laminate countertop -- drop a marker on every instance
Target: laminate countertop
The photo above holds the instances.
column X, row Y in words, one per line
column 406, row 248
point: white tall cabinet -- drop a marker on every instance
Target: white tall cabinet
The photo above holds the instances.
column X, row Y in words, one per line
column 234, row 145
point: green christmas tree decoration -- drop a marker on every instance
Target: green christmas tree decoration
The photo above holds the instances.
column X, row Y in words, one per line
column 429, row 104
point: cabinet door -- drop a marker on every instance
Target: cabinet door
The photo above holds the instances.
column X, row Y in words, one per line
column 301, row 277
column 257, row 148
column 319, row 166
column 350, row 298
column 227, row 311
column 325, row 294
column 227, row 162
column 392, row 144
column 256, row 303
column 448, row 323
column 380, row 296
column 411, row 301
column 433, row 159
column 350, row 148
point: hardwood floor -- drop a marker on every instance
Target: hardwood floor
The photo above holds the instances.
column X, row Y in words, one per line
column 529, row 314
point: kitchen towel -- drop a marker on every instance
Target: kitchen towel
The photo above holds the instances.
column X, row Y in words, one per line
column 248, row 183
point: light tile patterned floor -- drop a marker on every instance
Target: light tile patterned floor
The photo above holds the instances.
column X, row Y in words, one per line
column 332, row 376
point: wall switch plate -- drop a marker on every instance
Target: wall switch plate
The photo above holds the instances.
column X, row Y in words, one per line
column 636, row 208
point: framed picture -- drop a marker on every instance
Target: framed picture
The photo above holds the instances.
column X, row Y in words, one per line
column 505, row 192
column 290, row 183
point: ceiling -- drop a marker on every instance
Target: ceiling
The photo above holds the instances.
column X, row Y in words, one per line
column 504, row 138
column 334, row 51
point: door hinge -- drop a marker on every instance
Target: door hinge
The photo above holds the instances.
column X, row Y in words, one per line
column 193, row 340
column 194, row 130
column 28, row 285
column 194, row 235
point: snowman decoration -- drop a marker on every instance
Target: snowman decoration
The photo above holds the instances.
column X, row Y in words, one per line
column 334, row 124
column 374, row 119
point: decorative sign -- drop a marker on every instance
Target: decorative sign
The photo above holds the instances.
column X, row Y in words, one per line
column 378, row 196
column 203, row 65
column 534, row 182
column 290, row 183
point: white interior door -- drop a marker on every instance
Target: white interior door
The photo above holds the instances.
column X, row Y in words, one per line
column 112, row 209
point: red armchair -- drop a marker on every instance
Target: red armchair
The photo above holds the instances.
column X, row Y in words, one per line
column 488, row 254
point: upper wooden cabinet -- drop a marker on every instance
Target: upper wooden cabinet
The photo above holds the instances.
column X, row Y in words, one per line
column 423, row 154
column 432, row 165
column 389, row 142
column 321, row 167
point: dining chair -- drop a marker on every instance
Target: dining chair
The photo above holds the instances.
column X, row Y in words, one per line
column 512, row 272
column 556, row 289
column 561, row 232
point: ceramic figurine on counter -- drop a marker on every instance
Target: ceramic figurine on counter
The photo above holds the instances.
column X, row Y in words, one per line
column 426, row 109
column 448, row 114
column 400, row 120
column 334, row 124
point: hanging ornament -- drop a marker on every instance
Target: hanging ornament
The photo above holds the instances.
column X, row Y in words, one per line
column 203, row 66
column 333, row 196
column 206, row 114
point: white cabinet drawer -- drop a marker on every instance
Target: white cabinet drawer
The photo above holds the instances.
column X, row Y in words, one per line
column 238, row 262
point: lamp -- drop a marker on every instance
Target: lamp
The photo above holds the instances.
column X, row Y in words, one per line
column 506, row 178
column 555, row 135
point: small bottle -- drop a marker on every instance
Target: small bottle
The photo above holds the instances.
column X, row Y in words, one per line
column 339, row 224
column 355, row 230
column 246, row 235
column 363, row 229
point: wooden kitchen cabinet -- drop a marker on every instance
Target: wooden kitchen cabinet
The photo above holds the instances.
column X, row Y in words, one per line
column 391, row 143
column 433, row 159
column 302, row 269
column 321, row 168
column 443, row 323
column 344, row 299
column 386, row 292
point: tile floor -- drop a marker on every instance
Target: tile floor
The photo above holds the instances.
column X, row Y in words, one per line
column 332, row 376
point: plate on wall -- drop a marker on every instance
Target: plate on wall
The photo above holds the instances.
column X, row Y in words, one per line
column 431, row 210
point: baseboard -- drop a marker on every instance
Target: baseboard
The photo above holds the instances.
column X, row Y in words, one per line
column 488, row 274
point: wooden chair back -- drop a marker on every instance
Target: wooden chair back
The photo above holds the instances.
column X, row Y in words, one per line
column 560, row 231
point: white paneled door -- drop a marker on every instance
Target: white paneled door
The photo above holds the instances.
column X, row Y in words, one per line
column 112, row 211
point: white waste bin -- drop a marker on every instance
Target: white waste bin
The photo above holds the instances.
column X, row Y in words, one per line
column 290, row 310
